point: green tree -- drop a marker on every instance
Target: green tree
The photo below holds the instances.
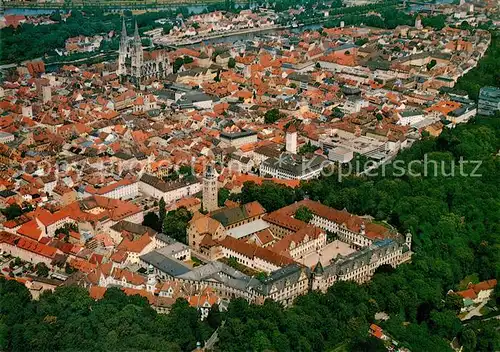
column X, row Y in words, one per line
column 178, row 64
column 12, row 211
column 186, row 170
column 231, row 63
column 454, row 303
column 303, row 214
column 152, row 220
column 42, row 269
column 175, row 224
column 271, row 116
column 468, row 340
column 431, row 64
column 162, row 210
column 223, row 195
column 214, row 318
column 167, row 27
column 55, row 16
column 307, row 148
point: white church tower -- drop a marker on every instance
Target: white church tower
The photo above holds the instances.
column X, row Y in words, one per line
column 291, row 139
column 418, row 22
column 210, row 191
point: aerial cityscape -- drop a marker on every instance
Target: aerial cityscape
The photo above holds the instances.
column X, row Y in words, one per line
column 250, row 176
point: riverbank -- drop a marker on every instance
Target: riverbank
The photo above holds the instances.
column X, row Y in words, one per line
column 199, row 39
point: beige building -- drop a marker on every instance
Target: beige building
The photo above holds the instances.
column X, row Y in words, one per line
column 202, row 231
column 170, row 191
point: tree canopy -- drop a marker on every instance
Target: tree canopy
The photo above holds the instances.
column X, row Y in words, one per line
column 271, row 116
column 69, row 319
column 175, row 224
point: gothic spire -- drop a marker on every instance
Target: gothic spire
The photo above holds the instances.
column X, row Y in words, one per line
column 136, row 32
column 124, row 28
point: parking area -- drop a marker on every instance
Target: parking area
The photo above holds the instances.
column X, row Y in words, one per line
column 146, row 203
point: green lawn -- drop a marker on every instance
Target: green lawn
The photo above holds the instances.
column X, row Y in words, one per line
column 470, row 278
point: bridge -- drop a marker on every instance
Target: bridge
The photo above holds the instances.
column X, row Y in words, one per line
column 175, row 42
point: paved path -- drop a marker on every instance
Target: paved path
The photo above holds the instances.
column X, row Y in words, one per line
column 475, row 312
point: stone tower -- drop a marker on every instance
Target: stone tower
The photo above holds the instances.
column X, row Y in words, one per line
column 317, row 277
column 291, row 139
column 210, row 195
column 123, row 51
column 418, row 22
column 136, row 56
column 151, row 283
column 46, row 94
column 408, row 240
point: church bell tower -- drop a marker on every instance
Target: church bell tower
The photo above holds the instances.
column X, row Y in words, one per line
column 210, row 195
column 137, row 56
column 123, row 52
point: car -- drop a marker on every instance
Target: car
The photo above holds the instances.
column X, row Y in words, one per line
column 7, row 270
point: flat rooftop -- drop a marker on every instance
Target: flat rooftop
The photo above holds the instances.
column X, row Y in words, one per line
column 248, row 228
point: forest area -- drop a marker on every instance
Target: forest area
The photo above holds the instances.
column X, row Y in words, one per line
column 487, row 73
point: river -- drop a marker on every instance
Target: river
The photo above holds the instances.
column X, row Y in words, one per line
column 252, row 35
column 195, row 9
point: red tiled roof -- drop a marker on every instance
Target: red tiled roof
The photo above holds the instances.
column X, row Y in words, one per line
column 97, row 292
column 468, row 294
column 27, row 245
column 136, row 246
column 252, row 250
column 283, row 245
column 30, row 230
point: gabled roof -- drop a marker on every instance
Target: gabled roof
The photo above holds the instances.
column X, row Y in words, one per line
column 229, row 216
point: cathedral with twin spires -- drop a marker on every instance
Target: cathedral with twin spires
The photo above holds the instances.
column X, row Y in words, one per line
column 136, row 65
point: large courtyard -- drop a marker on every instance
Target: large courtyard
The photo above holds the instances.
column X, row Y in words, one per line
column 329, row 252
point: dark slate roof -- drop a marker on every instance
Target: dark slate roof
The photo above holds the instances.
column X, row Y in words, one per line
column 237, row 135
column 131, row 227
column 280, row 279
column 228, row 216
column 294, row 164
column 124, row 156
column 170, row 266
column 7, row 193
column 271, row 151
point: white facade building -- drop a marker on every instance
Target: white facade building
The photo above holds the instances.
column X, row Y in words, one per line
column 169, row 191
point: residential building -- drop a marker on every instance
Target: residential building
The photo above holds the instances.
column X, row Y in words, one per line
column 170, row 191
column 293, row 167
column 489, row 101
